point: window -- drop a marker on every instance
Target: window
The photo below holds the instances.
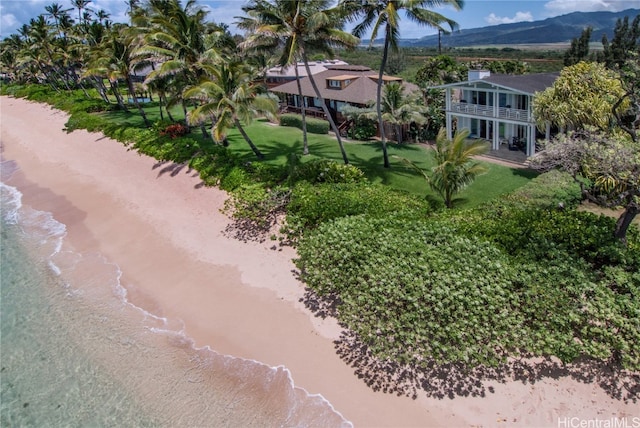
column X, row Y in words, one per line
column 334, row 84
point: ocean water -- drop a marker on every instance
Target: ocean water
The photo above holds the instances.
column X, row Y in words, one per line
column 74, row 352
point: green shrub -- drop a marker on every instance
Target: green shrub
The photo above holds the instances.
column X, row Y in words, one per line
column 314, row 126
column 418, row 291
column 234, row 178
column 364, row 129
column 83, row 120
column 312, row 205
column 549, row 190
column 325, row 171
column 258, row 207
column 541, row 235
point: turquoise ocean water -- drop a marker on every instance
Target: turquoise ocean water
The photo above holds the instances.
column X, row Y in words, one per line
column 74, row 352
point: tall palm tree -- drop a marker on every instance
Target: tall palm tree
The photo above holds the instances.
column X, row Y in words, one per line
column 231, row 95
column 175, row 38
column 80, row 5
column 375, row 14
column 55, row 11
column 42, row 40
column 103, row 16
column 297, row 27
column 132, row 5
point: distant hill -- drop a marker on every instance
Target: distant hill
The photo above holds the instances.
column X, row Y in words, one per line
column 551, row 30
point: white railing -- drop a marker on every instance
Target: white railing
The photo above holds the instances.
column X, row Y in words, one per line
column 488, row 111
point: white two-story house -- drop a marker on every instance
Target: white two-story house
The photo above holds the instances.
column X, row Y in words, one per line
column 497, row 108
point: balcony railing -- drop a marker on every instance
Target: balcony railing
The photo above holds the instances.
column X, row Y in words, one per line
column 488, row 111
column 316, row 112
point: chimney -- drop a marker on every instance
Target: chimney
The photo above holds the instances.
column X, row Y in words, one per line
column 477, row 74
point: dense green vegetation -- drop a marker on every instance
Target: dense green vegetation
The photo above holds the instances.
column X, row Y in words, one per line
column 538, row 61
column 553, row 282
column 395, row 262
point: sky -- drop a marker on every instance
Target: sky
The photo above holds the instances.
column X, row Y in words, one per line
column 475, row 13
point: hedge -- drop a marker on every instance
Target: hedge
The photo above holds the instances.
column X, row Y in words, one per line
column 314, row 126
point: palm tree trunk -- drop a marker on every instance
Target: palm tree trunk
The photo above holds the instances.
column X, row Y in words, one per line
column 204, row 132
column 116, row 92
column 163, row 101
column 147, row 124
column 398, row 133
column 247, row 139
column 102, row 90
column 624, row 221
column 385, row 54
column 332, row 123
column 184, row 110
column 305, row 142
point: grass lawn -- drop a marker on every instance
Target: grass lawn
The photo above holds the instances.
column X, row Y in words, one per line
column 278, row 143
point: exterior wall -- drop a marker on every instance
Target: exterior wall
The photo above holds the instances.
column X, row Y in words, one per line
column 496, row 115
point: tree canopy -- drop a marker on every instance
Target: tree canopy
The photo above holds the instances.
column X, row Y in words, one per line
column 583, row 95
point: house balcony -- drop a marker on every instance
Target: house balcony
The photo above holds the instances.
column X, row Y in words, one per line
column 316, row 112
column 484, row 111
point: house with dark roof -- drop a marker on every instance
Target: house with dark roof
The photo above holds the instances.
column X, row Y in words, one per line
column 497, row 108
column 339, row 85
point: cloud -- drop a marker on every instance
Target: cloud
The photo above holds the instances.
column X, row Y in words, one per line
column 493, row 19
column 8, row 20
column 561, row 7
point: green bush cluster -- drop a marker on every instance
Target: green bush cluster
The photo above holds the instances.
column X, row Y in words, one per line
column 549, row 190
column 312, row 205
column 419, row 291
column 542, row 235
column 363, row 129
column 257, row 204
column 325, row 171
column 314, row 126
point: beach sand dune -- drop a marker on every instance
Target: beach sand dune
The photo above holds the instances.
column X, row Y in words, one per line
column 166, row 233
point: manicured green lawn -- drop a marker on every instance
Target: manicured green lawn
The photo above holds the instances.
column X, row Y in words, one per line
column 279, row 143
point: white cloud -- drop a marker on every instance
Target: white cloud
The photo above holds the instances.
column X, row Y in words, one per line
column 8, row 20
column 561, row 7
column 493, row 19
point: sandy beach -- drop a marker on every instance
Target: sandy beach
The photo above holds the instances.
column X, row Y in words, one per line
column 165, row 231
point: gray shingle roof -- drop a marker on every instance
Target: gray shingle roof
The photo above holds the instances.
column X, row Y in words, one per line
column 528, row 83
column 523, row 83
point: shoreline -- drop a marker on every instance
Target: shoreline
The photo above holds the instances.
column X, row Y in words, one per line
column 166, row 233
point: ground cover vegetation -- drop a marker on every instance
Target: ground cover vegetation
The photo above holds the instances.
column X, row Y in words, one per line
column 510, row 270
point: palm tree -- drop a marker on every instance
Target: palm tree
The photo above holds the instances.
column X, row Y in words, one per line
column 42, row 40
column 377, row 13
column 80, row 5
column 55, row 11
column 400, row 109
column 297, row 27
column 103, row 15
column 455, row 168
column 132, row 5
column 175, row 38
column 231, row 95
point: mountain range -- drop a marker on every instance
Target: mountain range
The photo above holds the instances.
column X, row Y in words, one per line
column 559, row 29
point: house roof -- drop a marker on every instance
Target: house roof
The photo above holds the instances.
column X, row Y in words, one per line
column 314, row 66
column 524, row 83
column 361, row 90
column 528, row 83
